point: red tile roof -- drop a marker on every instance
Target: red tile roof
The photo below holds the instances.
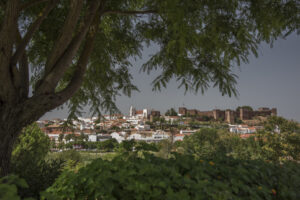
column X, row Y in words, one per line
column 139, row 112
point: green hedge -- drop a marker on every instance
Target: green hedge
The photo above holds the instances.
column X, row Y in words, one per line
column 181, row 177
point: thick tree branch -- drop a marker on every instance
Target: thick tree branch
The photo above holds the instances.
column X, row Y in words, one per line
column 65, row 38
column 31, row 4
column 51, row 80
column 37, row 105
column 21, row 75
column 77, row 78
column 130, row 12
column 31, row 30
column 7, row 40
column 24, row 71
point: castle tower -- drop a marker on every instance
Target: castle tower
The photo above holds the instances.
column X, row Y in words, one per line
column 229, row 116
column 274, row 112
column 182, row 111
column 216, row 113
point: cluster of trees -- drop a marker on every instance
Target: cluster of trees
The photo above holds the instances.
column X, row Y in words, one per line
column 171, row 112
column 267, row 144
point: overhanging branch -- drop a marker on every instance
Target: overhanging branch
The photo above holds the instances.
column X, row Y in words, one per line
column 32, row 29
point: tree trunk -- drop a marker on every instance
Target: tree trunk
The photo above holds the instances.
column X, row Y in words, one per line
column 11, row 124
column 14, row 116
column 9, row 130
column 6, row 146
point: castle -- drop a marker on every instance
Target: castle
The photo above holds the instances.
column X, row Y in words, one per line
column 243, row 113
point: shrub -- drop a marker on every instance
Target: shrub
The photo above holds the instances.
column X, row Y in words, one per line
column 28, row 162
column 71, row 158
column 9, row 186
column 180, row 177
column 108, row 145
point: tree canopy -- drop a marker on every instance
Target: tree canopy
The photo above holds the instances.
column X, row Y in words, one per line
column 80, row 49
column 244, row 107
column 77, row 51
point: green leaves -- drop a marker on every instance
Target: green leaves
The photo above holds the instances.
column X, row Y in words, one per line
column 180, row 177
column 9, row 187
column 199, row 44
column 32, row 146
column 28, row 162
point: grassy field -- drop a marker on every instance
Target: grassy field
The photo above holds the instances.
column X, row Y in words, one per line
column 84, row 156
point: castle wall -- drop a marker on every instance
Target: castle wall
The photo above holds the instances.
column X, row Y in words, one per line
column 205, row 113
column 182, row 111
column 229, row 115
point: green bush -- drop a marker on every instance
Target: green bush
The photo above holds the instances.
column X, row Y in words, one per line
column 180, row 177
column 127, row 145
column 144, row 146
column 9, row 186
column 108, row 145
column 71, row 158
column 28, row 162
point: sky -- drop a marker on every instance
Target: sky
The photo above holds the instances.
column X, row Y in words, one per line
column 271, row 80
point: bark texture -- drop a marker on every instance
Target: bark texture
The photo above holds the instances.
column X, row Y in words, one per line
column 17, row 109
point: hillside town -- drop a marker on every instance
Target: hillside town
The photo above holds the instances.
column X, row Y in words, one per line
column 150, row 125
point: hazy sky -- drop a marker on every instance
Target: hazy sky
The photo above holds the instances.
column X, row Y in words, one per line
column 271, row 80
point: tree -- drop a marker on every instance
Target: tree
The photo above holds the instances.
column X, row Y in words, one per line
column 83, row 137
column 206, row 118
column 280, row 124
column 61, row 138
column 79, row 50
column 245, row 107
column 171, row 112
column 31, row 147
column 127, row 145
column 28, row 161
column 68, row 137
column 108, row 145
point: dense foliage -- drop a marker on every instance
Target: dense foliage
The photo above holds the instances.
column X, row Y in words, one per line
column 209, row 143
column 29, row 161
column 9, row 186
column 180, row 177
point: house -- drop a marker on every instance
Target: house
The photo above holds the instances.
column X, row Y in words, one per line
column 143, row 127
column 92, row 138
column 135, row 136
column 120, row 137
column 242, row 129
column 171, row 119
column 179, row 137
column 103, row 137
